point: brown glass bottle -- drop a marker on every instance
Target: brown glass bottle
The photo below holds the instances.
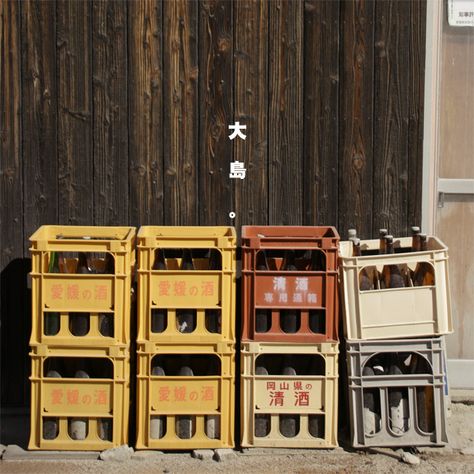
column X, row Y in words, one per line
column 263, row 317
column 159, row 316
column 212, row 316
column 365, row 280
column 423, row 274
column 391, row 275
column 289, row 318
column 382, row 245
column 415, row 239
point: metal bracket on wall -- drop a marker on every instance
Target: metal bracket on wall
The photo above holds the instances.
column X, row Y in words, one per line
column 453, row 186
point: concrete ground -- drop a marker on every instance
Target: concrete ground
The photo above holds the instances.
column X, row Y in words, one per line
column 457, row 457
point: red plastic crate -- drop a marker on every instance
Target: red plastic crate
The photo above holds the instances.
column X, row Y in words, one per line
column 311, row 292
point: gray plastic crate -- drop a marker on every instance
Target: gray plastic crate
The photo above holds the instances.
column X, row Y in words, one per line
column 420, row 418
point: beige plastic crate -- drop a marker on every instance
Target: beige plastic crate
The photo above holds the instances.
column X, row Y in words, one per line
column 301, row 395
column 395, row 312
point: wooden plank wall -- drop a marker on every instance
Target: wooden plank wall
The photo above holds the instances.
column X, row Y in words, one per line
column 116, row 112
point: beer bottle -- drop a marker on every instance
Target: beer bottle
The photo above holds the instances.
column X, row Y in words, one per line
column 262, row 422
column 212, row 316
column 398, row 403
column 391, row 275
column 382, row 245
column 288, row 423
column 423, row 274
column 365, row 281
column 157, row 423
column 51, row 425
column 109, row 264
column 212, row 422
column 159, row 316
column 106, row 324
column 415, row 239
column 78, row 426
column 263, row 317
column 184, row 423
column 289, row 318
column 79, row 322
column 52, row 320
column 186, row 318
column 371, row 417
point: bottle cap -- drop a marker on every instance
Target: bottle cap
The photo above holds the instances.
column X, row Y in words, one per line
column 415, row 230
column 383, row 231
column 352, row 233
column 388, row 237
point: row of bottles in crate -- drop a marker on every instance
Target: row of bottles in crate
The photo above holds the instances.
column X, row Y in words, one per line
column 393, row 275
column 400, row 418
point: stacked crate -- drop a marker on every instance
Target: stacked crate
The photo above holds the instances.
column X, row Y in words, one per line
column 80, row 339
column 289, row 349
column 186, row 367
column 395, row 355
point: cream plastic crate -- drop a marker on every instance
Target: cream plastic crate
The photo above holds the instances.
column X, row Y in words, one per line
column 174, row 289
column 428, row 376
column 69, row 294
column 167, row 398
column 94, row 400
column 303, row 395
column 395, row 312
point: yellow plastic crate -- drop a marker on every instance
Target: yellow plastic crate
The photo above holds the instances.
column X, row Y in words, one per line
column 392, row 313
column 174, row 289
column 304, row 398
column 100, row 403
column 65, row 295
column 173, row 399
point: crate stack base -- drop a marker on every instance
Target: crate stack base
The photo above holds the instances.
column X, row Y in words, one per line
column 418, row 420
column 80, row 339
column 289, row 410
column 186, row 271
column 289, row 345
column 396, row 385
column 176, row 411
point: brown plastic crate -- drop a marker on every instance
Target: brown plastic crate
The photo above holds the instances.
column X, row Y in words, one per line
column 275, row 290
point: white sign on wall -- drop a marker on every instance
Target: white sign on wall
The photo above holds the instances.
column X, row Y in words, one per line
column 461, row 12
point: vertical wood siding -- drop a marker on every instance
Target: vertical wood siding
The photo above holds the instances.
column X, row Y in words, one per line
column 117, row 112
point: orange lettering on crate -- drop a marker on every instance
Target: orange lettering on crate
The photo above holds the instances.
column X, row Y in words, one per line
column 72, row 292
column 193, row 396
column 308, row 386
column 57, row 292
column 207, row 288
column 57, row 396
column 100, row 292
column 87, row 294
column 179, row 288
column 284, row 386
column 100, row 397
column 277, row 398
column 207, row 393
column 180, row 394
column 270, row 385
column 298, row 385
column 302, row 399
column 193, row 291
column 164, row 394
column 72, row 397
column 87, row 399
column 164, row 288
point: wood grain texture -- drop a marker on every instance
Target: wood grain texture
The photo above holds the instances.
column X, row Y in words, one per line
column 321, row 111
column 11, row 182
column 390, row 201
column 145, row 92
column 356, row 156
column 215, row 112
column 416, row 46
column 181, row 123
column 251, row 108
column 285, row 124
column 39, row 119
column 75, row 183
column 110, row 112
